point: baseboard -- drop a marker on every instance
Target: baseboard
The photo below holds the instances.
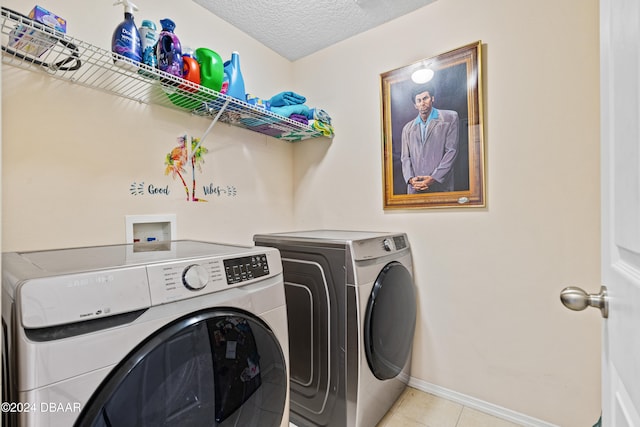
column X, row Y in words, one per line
column 477, row 404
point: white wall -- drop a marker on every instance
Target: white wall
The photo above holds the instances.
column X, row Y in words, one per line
column 491, row 325
column 71, row 154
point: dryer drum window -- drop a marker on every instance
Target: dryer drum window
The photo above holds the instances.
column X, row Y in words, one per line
column 390, row 321
column 203, row 369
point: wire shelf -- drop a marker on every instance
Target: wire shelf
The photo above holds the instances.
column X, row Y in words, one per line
column 33, row 46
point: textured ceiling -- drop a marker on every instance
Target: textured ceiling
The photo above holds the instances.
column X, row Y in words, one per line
column 296, row 28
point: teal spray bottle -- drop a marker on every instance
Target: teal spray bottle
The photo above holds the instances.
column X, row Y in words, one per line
column 126, row 38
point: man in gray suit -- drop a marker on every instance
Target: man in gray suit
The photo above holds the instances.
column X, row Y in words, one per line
column 429, row 145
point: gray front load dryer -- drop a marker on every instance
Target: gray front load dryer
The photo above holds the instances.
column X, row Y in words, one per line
column 351, row 312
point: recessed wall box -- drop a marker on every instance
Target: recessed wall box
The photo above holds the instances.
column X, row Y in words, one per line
column 150, row 228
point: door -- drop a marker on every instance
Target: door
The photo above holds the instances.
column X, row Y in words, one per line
column 390, row 321
column 217, row 367
column 620, row 133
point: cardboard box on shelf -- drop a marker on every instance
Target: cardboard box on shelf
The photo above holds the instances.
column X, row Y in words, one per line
column 33, row 41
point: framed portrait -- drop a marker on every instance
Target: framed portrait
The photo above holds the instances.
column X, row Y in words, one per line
column 433, row 145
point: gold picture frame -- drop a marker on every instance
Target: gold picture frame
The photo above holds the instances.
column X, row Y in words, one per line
column 424, row 164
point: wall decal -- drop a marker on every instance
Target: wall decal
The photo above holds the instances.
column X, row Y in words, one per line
column 184, row 159
column 137, row 188
column 179, row 158
column 219, row 190
column 211, row 189
column 140, row 188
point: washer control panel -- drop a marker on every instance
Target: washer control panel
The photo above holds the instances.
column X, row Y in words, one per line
column 178, row 280
column 246, row 268
column 65, row 286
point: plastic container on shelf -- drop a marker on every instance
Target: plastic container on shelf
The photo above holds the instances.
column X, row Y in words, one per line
column 168, row 49
column 126, row 38
column 211, row 68
column 149, row 39
column 190, row 66
column 234, row 76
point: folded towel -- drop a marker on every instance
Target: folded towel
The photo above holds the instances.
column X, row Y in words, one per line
column 288, row 110
column 325, row 128
column 287, row 98
column 319, row 114
column 299, row 118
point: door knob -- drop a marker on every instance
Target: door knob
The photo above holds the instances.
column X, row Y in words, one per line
column 576, row 299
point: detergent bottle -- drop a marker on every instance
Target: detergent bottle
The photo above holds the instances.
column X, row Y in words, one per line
column 168, row 49
column 190, row 66
column 211, row 68
column 126, row 38
column 149, row 38
column 234, row 76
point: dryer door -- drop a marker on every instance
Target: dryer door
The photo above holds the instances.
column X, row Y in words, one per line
column 390, row 321
column 216, row 367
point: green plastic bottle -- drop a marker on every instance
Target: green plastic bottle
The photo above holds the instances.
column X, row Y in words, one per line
column 211, row 68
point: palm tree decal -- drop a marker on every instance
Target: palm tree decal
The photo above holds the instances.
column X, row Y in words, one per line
column 178, row 158
column 197, row 153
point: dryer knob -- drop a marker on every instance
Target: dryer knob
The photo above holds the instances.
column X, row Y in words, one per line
column 387, row 244
column 195, row 277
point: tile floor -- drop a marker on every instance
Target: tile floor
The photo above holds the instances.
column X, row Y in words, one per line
column 415, row 408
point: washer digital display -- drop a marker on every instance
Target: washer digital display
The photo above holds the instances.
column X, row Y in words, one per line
column 245, row 268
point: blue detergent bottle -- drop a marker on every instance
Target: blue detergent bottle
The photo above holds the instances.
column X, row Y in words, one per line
column 126, row 38
column 169, row 50
column 149, row 37
column 234, row 76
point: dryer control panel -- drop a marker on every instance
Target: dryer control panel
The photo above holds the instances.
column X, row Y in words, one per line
column 366, row 249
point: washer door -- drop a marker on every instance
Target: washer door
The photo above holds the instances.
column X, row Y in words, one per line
column 214, row 367
column 390, row 321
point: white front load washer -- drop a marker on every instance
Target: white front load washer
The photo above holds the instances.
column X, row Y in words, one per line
column 189, row 334
column 352, row 312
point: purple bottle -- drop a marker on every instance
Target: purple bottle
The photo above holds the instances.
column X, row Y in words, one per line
column 168, row 49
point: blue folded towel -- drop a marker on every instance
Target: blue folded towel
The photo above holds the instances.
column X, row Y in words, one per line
column 320, row 115
column 287, row 98
column 288, row 110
